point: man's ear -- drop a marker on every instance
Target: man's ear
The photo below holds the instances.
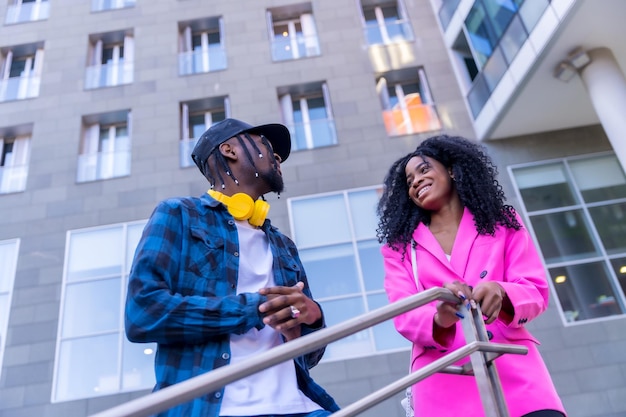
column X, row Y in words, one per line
column 228, row 151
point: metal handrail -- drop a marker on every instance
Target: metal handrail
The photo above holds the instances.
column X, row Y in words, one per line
column 192, row 388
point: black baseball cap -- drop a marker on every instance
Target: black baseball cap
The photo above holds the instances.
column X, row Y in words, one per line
column 277, row 134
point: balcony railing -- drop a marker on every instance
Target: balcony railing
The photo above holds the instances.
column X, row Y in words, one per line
column 391, row 32
column 103, row 165
column 27, row 12
column 186, row 146
column 19, row 88
column 108, row 75
column 196, row 62
column 314, row 134
column 416, row 118
column 100, row 5
column 13, row 178
column 294, row 47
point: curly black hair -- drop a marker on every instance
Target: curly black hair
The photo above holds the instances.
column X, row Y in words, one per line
column 475, row 180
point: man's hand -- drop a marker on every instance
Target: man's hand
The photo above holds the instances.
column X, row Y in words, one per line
column 278, row 312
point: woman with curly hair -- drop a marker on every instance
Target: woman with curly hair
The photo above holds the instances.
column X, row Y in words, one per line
column 444, row 201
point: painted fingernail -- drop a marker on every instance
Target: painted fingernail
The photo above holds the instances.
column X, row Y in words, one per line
column 459, row 315
column 473, row 304
column 461, row 295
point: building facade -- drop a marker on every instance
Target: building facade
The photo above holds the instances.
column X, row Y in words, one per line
column 102, row 101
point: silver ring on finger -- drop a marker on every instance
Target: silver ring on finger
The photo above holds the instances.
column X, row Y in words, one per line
column 295, row 313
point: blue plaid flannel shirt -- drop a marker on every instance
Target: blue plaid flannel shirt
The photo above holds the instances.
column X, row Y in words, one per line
column 182, row 295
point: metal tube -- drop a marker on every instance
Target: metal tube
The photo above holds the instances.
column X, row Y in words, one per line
column 187, row 390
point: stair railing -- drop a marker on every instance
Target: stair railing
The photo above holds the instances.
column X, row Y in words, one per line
column 478, row 348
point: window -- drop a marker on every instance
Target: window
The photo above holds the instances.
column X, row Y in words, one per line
column 20, row 73
column 20, row 11
column 201, row 46
column 110, row 60
column 196, row 117
column 14, row 157
column 577, row 210
column 8, row 265
column 100, row 5
column 308, row 115
column 407, row 104
column 385, row 22
column 105, row 148
column 336, row 237
column 93, row 355
column 292, row 32
column 493, row 34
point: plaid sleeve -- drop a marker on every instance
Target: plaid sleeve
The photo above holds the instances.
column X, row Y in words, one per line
column 165, row 304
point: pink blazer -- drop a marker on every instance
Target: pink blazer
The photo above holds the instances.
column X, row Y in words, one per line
column 508, row 257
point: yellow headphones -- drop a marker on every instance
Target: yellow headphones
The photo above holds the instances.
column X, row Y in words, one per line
column 242, row 207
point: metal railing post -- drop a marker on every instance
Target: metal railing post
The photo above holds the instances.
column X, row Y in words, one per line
column 485, row 372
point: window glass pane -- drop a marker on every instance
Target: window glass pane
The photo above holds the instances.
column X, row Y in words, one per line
column 338, row 311
column 371, row 264
column 513, row 39
column 363, row 210
column 317, row 109
column 619, row 267
column 544, row 187
column 500, row 13
column 372, row 29
column 88, row 367
column 564, row 236
column 495, row 68
column 138, row 365
column 320, row 221
column 331, row 270
column 480, row 33
column 610, row 221
column 600, row 178
column 531, row 12
column 385, row 334
column 134, row 234
column 585, row 291
column 91, row 307
column 95, row 253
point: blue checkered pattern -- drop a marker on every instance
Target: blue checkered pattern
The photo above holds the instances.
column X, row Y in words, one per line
column 182, row 295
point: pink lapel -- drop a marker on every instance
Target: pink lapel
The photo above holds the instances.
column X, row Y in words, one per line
column 465, row 237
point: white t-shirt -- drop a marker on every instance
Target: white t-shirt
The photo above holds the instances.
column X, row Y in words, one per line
column 273, row 390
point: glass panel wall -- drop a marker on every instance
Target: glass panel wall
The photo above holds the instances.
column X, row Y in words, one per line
column 577, row 213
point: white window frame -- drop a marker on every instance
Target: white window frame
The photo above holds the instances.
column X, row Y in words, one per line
column 425, row 106
column 286, row 104
column 187, row 143
column 198, row 62
column 98, row 5
column 20, row 11
column 403, row 18
column 7, row 292
column 28, row 82
column 125, row 264
column 118, row 71
column 14, row 168
column 309, row 35
column 96, row 163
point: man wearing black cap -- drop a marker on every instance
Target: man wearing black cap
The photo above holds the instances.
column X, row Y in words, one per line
column 213, row 283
